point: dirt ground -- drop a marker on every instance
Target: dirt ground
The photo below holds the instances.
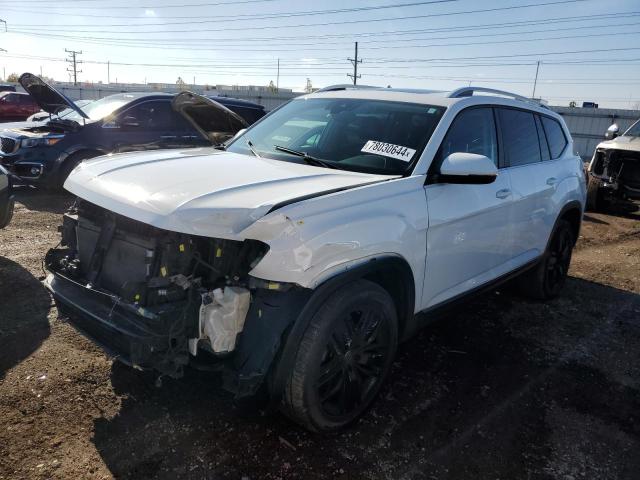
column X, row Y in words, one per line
column 504, row 389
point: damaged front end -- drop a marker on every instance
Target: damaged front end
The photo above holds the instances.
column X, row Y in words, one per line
column 617, row 172
column 154, row 298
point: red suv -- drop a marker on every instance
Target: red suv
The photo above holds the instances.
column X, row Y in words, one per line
column 16, row 106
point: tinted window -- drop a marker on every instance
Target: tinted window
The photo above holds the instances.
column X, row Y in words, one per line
column 250, row 115
column 555, row 136
column 151, row 115
column 544, row 145
column 519, row 137
column 472, row 131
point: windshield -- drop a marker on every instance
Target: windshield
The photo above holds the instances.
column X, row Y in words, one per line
column 634, row 130
column 68, row 111
column 371, row 136
column 98, row 109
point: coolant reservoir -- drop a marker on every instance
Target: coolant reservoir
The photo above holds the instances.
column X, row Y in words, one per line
column 223, row 318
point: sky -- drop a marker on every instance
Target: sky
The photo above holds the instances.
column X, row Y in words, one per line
column 589, row 50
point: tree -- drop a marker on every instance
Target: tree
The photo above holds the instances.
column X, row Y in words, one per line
column 573, row 104
column 13, row 78
column 272, row 87
column 180, row 83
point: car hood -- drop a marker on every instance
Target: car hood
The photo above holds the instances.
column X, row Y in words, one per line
column 214, row 121
column 202, row 191
column 48, row 98
column 624, row 142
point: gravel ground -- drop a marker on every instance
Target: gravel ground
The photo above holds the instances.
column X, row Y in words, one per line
column 504, row 389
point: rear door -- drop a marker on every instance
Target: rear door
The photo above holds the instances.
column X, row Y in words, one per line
column 468, row 235
column 533, row 184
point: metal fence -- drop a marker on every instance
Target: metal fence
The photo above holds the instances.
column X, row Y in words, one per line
column 588, row 125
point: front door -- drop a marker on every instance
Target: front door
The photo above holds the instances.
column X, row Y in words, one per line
column 468, row 240
column 149, row 125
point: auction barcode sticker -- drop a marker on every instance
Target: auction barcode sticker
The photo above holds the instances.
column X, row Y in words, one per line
column 389, row 150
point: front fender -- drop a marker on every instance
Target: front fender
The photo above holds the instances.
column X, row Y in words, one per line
column 319, row 238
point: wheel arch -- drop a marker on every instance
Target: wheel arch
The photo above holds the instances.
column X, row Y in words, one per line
column 571, row 212
column 392, row 273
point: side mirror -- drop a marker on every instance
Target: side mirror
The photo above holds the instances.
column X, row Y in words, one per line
column 612, row 132
column 467, row 168
column 129, row 122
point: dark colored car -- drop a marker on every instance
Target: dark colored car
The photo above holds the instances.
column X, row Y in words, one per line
column 43, row 116
column 6, row 198
column 16, row 106
column 45, row 153
column 4, row 87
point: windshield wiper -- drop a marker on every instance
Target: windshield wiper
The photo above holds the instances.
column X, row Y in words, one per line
column 306, row 157
column 251, row 147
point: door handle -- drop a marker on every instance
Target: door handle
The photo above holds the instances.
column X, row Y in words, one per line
column 504, row 193
column 168, row 137
column 552, row 181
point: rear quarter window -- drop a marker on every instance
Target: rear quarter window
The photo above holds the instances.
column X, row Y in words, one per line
column 555, row 136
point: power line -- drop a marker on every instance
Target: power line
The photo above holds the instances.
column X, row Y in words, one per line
column 351, row 22
column 360, row 35
column 264, row 16
column 155, row 7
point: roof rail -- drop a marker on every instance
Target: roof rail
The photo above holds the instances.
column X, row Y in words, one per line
column 469, row 91
column 345, row 86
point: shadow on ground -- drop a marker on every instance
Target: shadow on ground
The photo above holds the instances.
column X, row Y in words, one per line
column 24, row 305
column 505, row 388
column 42, row 200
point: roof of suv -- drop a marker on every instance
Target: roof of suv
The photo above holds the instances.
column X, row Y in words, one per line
column 428, row 97
column 131, row 96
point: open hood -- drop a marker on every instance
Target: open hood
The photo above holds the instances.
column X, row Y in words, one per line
column 48, row 98
column 214, row 121
column 202, row 191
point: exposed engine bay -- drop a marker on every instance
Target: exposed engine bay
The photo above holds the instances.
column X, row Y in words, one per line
column 175, row 293
column 619, row 172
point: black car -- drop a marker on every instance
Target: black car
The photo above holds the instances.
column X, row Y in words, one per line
column 45, row 153
column 5, row 87
column 6, row 198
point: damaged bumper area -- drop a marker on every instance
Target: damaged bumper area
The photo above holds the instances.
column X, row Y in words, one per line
column 618, row 172
column 156, row 299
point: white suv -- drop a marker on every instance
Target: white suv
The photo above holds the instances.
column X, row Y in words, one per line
column 297, row 258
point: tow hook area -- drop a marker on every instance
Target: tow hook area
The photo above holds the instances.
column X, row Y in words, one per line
column 221, row 319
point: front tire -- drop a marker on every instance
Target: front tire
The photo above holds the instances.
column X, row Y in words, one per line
column 69, row 164
column 595, row 198
column 545, row 281
column 343, row 359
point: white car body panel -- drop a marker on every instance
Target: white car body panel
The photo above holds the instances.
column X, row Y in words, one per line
column 467, row 239
column 201, row 191
column 453, row 237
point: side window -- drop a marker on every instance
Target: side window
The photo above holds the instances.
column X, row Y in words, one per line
column 11, row 98
column 555, row 136
column 472, row 131
column 519, row 137
column 153, row 116
column 542, row 138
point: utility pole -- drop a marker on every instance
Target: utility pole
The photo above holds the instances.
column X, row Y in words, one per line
column 278, row 77
column 72, row 59
column 355, row 63
column 535, row 82
column 108, row 71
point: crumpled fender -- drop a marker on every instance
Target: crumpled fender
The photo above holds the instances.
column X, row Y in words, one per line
column 316, row 239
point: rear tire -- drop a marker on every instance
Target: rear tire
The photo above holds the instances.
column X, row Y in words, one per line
column 545, row 280
column 343, row 359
